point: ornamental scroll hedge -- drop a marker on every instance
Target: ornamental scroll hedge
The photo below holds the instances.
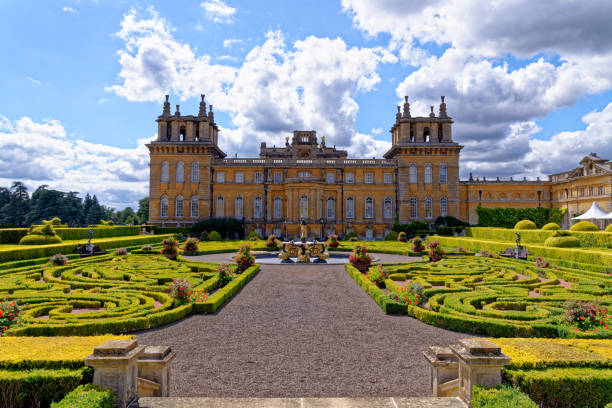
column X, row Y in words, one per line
column 508, row 217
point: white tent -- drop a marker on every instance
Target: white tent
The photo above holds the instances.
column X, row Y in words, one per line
column 608, row 216
column 594, row 213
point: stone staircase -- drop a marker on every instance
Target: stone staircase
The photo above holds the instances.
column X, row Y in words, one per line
column 178, row 402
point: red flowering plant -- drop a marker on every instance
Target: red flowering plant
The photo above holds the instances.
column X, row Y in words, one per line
column 436, row 252
column 411, row 295
column 244, row 258
column 332, row 241
column 360, row 258
column 181, row 291
column 170, row 248
column 417, row 245
column 272, row 242
column 226, row 274
column 191, row 246
column 377, row 274
column 58, row 260
column 541, row 262
column 587, row 317
column 402, row 237
column 198, row 296
column 121, row 252
column 9, row 315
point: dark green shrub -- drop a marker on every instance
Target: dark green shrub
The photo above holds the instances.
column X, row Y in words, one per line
column 214, row 236
column 87, row 396
column 392, row 236
column 508, row 217
column 551, row 226
column 525, row 225
column 229, row 228
column 12, row 235
column 584, row 226
column 500, row 397
column 350, row 235
column 204, row 236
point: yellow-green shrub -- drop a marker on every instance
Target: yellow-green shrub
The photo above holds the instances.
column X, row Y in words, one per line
column 609, row 228
column 584, row 226
column 41, row 235
column 562, row 242
column 525, row 225
column 551, row 226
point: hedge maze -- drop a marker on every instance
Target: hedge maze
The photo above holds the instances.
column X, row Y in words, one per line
column 502, row 297
column 108, row 294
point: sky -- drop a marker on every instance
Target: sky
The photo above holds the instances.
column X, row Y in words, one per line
column 528, row 84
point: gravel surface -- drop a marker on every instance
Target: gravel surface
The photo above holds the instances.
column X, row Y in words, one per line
column 299, row 331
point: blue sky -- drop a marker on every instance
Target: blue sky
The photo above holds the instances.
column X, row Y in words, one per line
column 82, row 81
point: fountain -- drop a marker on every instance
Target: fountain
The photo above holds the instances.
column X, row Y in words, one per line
column 304, row 249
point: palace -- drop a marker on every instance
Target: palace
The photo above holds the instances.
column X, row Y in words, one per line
column 417, row 180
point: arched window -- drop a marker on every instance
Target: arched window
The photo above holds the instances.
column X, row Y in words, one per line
column 180, row 172
column 388, row 208
column 443, row 174
column 163, row 206
column 304, row 206
column 278, row 207
column 165, row 172
column 413, row 174
column 178, row 209
column 428, row 173
column 195, row 207
column 257, row 208
column 412, row 135
column 238, row 207
column 220, row 210
column 350, row 207
column 413, row 208
column 331, row 208
column 195, row 172
column 197, row 131
column 369, row 207
column 428, row 207
column 426, row 134
column 443, row 206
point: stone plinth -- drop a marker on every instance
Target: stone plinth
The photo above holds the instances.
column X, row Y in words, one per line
column 154, row 365
column 480, row 363
column 444, row 371
column 115, row 365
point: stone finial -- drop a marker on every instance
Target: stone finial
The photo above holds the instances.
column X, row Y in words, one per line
column 443, row 108
column 202, row 111
column 471, row 178
column 178, row 111
column 166, row 111
column 406, row 107
column 323, row 141
column 287, row 141
column 431, row 113
column 211, row 115
column 398, row 115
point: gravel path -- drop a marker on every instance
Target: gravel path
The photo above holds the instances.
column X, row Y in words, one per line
column 299, row 331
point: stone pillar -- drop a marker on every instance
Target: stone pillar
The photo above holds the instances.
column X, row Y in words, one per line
column 480, row 363
column 444, row 378
column 115, row 365
column 154, row 367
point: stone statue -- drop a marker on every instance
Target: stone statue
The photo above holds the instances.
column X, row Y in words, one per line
column 518, row 239
column 303, row 231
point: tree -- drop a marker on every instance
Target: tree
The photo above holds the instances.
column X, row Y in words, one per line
column 96, row 212
column 125, row 215
column 143, row 210
column 14, row 212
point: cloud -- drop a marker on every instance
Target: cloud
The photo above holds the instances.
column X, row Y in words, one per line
column 41, row 153
column 36, row 81
column 377, row 131
column 69, row 10
column 230, row 42
column 218, row 11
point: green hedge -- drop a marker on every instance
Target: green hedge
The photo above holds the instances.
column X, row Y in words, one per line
column 508, row 217
column 171, row 230
column 12, row 235
column 221, row 296
column 564, row 387
column 39, row 387
column 500, row 397
column 388, row 305
column 87, row 396
column 587, row 239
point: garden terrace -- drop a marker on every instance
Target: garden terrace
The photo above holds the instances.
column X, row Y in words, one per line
column 497, row 297
column 107, row 294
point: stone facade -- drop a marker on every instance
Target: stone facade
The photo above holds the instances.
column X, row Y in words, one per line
column 417, row 180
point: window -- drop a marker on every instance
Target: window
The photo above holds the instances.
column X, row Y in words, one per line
column 428, row 174
column 413, row 208
column 304, row 174
column 350, row 207
column 369, row 207
column 180, row 172
column 428, row 207
column 388, row 178
column 591, row 191
column 278, row 177
column 388, row 208
column 444, row 207
column 601, row 190
column 331, row 178
column 350, row 178
column 194, row 210
column 278, row 207
column 443, row 174
column 331, row 208
column 220, row 207
column 178, row 209
column 258, row 177
column 220, row 177
column 582, row 192
column 369, row 178
column 239, row 177
column 257, row 208
column 165, row 172
column 304, row 206
column 195, row 172
column 238, row 207
column 413, row 174
column 163, row 206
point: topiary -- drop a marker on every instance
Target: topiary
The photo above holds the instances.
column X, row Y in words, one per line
column 214, row 236
column 525, row 225
column 253, row 236
column 562, row 239
column 55, row 221
column 41, row 235
column 392, row 236
column 204, row 236
column 108, row 223
column 551, row 226
column 608, row 228
column 584, row 226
